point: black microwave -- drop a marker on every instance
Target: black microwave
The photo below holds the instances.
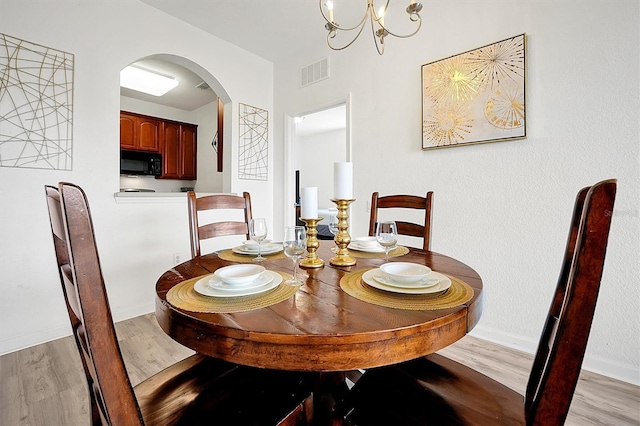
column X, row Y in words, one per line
column 140, row 163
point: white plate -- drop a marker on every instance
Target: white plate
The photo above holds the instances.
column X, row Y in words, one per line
column 357, row 247
column 251, row 245
column 218, row 284
column 266, row 249
column 443, row 283
column 365, row 242
column 426, row 282
column 202, row 286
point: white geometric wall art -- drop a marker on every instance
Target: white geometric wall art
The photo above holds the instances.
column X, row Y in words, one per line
column 253, row 153
column 36, row 105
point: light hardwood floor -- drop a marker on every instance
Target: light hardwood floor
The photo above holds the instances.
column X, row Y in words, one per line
column 44, row 385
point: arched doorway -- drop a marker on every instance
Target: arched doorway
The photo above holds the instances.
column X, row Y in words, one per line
column 199, row 99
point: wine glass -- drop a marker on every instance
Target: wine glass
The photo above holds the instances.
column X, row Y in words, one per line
column 258, row 232
column 387, row 236
column 295, row 244
column 333, row 225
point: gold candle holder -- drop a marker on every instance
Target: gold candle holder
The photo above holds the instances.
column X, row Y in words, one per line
column 312, row 260
column 342, row 238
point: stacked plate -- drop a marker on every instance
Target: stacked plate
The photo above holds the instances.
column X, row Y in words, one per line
column 366, row 244
column 250, row 247
column 238, row 280
column 406, row 278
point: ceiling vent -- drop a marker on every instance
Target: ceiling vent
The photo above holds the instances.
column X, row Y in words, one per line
column 314, row 72
column 203, row 86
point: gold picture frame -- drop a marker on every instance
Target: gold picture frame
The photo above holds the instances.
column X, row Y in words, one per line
column 475, row 97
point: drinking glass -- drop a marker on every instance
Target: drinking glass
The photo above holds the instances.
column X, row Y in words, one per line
column 295, row 245
column 387, row 236
column 333, row 225
column 258, row 232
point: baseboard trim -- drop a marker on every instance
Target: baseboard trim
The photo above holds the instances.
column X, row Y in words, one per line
column 59, row 331
column 25, row 341
column 604, row 367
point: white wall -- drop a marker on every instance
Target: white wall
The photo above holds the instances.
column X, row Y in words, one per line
column 136, row 240
column 209, row 179
column 504, row 208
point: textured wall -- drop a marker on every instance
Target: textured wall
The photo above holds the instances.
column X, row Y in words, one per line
column 504, row 208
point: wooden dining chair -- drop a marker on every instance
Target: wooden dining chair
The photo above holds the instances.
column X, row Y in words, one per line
column 437, row 390
column 197, row 390
column 404, row 202
column 202, row 231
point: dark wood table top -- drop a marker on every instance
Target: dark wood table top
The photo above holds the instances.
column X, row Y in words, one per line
column 321, row 328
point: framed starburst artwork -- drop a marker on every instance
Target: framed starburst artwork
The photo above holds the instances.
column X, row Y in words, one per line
column 475, row 97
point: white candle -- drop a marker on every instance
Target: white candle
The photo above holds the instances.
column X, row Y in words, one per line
column 343, row 181
column 309, row 203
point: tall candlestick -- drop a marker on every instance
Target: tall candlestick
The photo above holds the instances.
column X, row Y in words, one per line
column 343, row 181
column 312, row 260
column 342, row 238
column 309, row 203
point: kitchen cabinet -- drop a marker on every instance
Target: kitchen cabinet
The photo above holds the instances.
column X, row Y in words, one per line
column 188, row 152
column 179, row 150
column 139, row 132
column 177, row 142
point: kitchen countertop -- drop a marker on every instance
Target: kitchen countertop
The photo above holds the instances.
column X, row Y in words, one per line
column 152, row 197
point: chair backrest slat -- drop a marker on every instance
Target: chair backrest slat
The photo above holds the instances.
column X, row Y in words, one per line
column 558, row 360
column 199, row 232
column 422, row 230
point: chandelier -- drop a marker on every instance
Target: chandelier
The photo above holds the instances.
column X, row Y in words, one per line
column 378, row 28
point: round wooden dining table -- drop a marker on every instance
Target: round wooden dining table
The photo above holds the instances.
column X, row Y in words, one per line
column 320, row 328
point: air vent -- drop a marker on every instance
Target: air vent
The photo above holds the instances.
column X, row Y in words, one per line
column 203, row 86
column 314, row 72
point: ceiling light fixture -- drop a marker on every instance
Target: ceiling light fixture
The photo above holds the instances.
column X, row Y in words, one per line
column 379, row 31
column 146, row 81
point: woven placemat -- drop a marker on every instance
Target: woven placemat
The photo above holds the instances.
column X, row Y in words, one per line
column 458, row 294
column 183, row 296
column 398, row 251
column 231, row 256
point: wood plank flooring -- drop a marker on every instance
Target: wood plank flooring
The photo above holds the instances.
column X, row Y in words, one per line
column 44, row 385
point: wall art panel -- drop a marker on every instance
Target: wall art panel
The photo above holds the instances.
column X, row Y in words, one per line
column 475, row 97
column 36, row 105
column 253, row 153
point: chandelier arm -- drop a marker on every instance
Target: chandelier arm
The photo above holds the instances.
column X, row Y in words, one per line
column 337, row 26
column 378, row 40
column 406, row 35
column 348, row 44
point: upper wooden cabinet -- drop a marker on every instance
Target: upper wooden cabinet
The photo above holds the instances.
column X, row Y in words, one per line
column 179, row 150
column 188, row 152
column 139, row 132
column 170, row 150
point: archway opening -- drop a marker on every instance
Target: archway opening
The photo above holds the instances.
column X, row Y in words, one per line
column 198, row 100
